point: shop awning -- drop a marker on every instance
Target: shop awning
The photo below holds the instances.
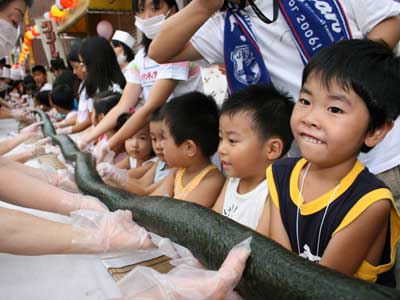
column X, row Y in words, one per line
column 94, row 6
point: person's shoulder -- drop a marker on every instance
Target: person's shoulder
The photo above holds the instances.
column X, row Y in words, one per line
column 367, row 178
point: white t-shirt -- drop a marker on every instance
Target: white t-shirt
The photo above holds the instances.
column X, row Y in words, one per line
column 245, row 209
column 83, row 105
column 46, row 87
column 285, row 65
column 145, row 71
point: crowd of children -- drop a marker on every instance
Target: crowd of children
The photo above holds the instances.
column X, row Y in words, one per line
column 160, row 136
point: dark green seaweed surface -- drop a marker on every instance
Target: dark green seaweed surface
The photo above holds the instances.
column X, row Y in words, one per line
column 271, row 272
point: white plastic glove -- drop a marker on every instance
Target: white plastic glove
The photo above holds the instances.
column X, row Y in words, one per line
column 187, row 282
column 57, row 125
column 62, row 179
column 100, row 232
column 103, row 153
column 38, row 149
column 82, row 144
column 110, row 172
column 72, row 202
column 65, row 130
column 34, row 127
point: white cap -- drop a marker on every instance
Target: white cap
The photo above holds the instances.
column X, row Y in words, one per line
column 124, row 37
column 6, row 72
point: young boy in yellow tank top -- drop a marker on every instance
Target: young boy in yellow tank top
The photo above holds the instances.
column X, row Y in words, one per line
column 190, row 131
column 326, row 206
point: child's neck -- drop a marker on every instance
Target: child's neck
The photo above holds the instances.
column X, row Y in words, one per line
column 320, row 180
column 197, row 165
column 247, row 184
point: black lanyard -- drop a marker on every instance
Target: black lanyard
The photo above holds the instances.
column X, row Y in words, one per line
column 259, row 13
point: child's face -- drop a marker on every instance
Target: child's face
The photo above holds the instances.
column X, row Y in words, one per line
column 330, row 126
column 156, row 135
column 40, row 78
column 172, row 152
column 139, row 146
column 241, row 151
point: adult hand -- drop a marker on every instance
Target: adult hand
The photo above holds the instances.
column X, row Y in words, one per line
column 187, row 282
column 34, row 127
column 97, row 231
column 102, row 152
column 72, row 202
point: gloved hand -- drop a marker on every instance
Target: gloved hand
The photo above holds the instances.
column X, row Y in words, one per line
column 82, row 143
column 100, row 232
column 62, row 179
column 34, row 127
column 72, row 202
column 186, row 282
column 65, row 130
column 103, row 153
column 110, row 172
column 38, row 149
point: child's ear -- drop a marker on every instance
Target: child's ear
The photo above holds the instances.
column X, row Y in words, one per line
column 190, row 148
column 273, row 148
column 374, row 137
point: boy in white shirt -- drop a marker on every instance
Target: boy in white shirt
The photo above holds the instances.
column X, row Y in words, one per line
column 254, row 129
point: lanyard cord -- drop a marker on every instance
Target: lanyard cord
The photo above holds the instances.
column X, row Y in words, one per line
column 323, row 217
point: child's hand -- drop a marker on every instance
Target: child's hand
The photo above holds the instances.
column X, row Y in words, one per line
column 108, row 231
column 109, row 172
column 65, row 130
column 211, row 5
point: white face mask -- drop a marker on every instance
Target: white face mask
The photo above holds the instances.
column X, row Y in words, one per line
column 121, row 58
column 8, row 37
column 150, row 27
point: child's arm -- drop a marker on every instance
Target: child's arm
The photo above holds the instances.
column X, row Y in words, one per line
column 69, row 122
column 263, row 224
column 277, row 231
column 362, row 239
column 123, row 164
column 139, row 172
column 219, row 204
column 167, row 186
column 208, row 190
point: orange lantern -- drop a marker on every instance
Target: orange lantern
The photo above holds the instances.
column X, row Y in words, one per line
column 35, row 31
column 28, row 35
column 68, row 3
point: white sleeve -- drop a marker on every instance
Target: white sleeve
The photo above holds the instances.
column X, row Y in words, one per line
column 176, row 71
column 209, row 39
column 133, row 70
column 369, row 13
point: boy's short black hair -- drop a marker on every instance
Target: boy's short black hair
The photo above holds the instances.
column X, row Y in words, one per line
column 39, row 68
column 43, row 98
column 369, row 68
column 193, row 116
column 268, row 109
column 105, row 101
column 122, row 120
column 57, row 64
column 63, row 96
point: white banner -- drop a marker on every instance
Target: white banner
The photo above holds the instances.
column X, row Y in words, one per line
column 51, row 42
